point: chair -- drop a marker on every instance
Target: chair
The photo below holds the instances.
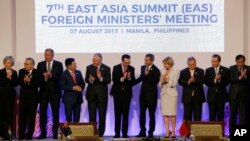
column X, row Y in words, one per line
column 207, row 131
column 82, row 131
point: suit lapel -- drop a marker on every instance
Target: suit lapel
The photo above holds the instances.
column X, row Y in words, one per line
column 120, row 69
column 221, row 71
column 71, row 78
column 188, row 73
column 53, row 66
column 213, row 72
column 44, row 66
column 77, row 77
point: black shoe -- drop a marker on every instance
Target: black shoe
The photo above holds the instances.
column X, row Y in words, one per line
column 125, row 136
column 55, row 137
column 151, row 136
column 141, row 135
column 21, row 138
column 116, row 136
column 28, row 138
column 7, row 138
column 42, row 137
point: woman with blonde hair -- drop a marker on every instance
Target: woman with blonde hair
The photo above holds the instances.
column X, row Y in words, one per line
column 168, row 83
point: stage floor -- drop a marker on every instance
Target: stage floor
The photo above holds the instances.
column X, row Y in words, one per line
column 120, row 139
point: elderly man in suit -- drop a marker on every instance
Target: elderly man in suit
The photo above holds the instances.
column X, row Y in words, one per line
column 72, row 84
column 29, row 81
column 50, row 91
column 192, row 79
column 98, row 77
column 217, row 79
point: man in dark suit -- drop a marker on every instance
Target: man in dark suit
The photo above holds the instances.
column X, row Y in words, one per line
column 73, row 84
column 123, row 76
column 216, row 78
column 239, row 90
column 98, row 77
column 192, row 79
column 50, row 91
column 8, row 82
column 29, row 80
column 150, row 77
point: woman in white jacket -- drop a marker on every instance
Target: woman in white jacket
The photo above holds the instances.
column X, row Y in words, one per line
column 169, row 95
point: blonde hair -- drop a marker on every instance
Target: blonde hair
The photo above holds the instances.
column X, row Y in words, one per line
column 168, row 60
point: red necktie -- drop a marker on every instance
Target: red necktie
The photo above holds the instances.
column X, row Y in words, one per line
column 124, row 70
column 73, row 75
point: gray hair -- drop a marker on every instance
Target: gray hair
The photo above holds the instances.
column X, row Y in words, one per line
column 98, row 55
column 191, row 59
column 168, row 60
column 30, row 59
column 9, row 58
column 50, row 50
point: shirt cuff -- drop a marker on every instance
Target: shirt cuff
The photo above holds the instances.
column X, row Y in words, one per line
column 122, row 80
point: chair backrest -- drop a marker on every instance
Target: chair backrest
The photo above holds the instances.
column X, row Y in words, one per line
column 82, row 129
column 211, row 128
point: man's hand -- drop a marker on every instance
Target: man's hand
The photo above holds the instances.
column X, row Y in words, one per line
column 47, row 75
column 91, row 78
column 99, row 74
column 27, row 79
column 77, row 88
column 129, row 75
column 218, row 77
column 243, row 74
column 125, row 74
column 191, row 80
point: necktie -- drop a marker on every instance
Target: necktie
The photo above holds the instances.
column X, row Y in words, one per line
column 48, row 68
column 147, row 69
column 124, row 70
column 240, row 70
column 216, row 71
column 73, row 76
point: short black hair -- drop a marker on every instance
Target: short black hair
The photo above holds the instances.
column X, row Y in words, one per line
column 125, row 56
column 151, row 56
column 240, row 56
column 68, row 61
column 217, row 56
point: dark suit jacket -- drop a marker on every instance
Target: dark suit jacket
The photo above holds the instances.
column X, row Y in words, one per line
column 98, row 90
column 197, row 86
column 217, row 89
column 30, row 90
column 237, row 85
column 124, row 87
column 54, row 81
column 67, row 82
column 149, row 89
column 7, row 85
